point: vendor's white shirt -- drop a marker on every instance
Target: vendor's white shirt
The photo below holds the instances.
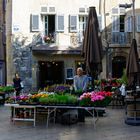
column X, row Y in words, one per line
column 122, row 89
column 80, row 82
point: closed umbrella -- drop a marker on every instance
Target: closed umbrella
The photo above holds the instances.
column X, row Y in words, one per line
column 132, row 71
column 132, row 68
column 92, row 46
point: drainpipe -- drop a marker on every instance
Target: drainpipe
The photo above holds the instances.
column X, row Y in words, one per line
column 106, row 38
column 133, row 13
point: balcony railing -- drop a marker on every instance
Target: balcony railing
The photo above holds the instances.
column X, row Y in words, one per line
column 121, row 38
column 115, row 38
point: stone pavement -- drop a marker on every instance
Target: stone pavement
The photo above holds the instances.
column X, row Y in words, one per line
column 109, row 127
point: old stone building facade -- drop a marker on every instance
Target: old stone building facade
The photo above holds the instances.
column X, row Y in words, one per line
column 2, row 43
column 44, row 38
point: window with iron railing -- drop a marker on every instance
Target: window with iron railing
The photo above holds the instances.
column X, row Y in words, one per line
column 49, row 28
column 119, row 38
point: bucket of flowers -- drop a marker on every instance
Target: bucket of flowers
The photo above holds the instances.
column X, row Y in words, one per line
column 97, row 99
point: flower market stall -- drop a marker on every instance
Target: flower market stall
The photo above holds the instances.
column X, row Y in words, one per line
column 52, row 101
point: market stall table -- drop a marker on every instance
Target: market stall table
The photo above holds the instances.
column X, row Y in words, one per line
column 16, row 107
column 52, row 109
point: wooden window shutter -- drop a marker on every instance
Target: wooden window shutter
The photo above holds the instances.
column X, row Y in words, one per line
column 60, row 23
column 128, row 24
column 100, row 22
column 138, row 23
column 115, row 23
column 34, row 22
column 73, row 23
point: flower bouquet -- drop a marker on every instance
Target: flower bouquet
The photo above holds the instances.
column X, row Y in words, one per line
column 49, row 38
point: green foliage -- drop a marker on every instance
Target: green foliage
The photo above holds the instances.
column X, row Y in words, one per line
column 124, row 77
column 6, row 88
column 78, row 92
column 97, row 82
column 86, row 102
column 57, row 99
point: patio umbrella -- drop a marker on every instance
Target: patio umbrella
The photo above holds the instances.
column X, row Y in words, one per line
column 92, row 47
column 132, row 68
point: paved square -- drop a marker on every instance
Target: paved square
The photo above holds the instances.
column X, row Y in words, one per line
column 109, row 127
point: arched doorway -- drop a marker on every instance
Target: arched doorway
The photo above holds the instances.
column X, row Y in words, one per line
column 118, row 65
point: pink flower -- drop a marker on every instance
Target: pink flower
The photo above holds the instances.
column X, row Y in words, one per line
column 81, row 97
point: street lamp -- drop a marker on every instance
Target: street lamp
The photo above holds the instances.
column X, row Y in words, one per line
column 133, row 14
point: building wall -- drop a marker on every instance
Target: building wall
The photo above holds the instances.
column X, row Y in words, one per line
column 20, row 39
column 2, row 43
column 69, row 62
column 21, row 15
column 9, row 50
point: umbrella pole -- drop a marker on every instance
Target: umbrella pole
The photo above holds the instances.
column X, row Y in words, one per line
column 92, row 81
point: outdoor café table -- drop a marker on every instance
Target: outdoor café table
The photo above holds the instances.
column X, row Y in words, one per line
column 52, row 109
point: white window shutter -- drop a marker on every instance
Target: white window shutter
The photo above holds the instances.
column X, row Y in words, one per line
column 115, row 23
column 60, row 23
column 115, row 11
column 34, row 22
column 138, row 23
column 73, row 23
column 128, row 24
column 100, row 22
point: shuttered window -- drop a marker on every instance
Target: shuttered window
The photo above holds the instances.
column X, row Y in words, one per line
column 128, row 24
column 60, row 23
column 73, row 23
column 34, row 22
column 138, row 23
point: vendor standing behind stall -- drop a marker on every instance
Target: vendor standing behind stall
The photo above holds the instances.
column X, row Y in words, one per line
column 80, row 80
column 81, row 83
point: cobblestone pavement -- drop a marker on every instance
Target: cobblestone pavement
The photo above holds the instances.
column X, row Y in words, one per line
column 109, row 127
